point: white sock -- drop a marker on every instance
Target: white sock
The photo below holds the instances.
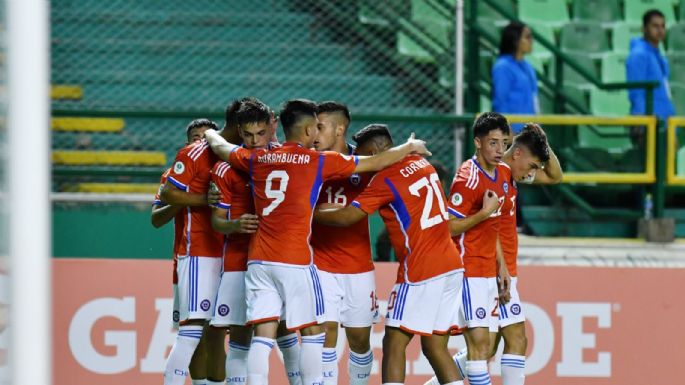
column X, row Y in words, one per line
column 209, row 382
column 330, row 366
column 392, row 383
column 236, row 364
column 477, row 372
column 199, row 382
column 513, row 367
column 460, row 360
column 359, row 367
column 310, row 359
column 176, row 368
column 290, row 348
column 455, row 383
column 258, row 360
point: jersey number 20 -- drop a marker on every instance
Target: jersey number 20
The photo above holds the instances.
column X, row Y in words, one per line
column 433, row 193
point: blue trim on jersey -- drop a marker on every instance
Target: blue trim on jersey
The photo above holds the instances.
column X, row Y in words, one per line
column 236, row 148
column 356, row 204
column 158, row 202
column 318, row 182
column 177, row 183
column 399, row 206
column 222, row 205
column 455, row 213
column 466, row 300
column 486, row 174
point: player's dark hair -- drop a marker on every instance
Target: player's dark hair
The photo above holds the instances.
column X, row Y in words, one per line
column 232, row 108
column 335, row 107
column 253, row 110
column 647, row 17
column 534, row 139
column 490, row 121
column 371, row 131
column 509, row 40
column 294, row 111
column 200, row 123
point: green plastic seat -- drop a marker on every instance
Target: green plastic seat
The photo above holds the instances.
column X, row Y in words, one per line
column 490, row 15
column 676, row 38
column 634, row 9
column 611, row 139
column 584, row 37
column 572, row 77
column 678, row 97
column 368, row 14
column 681, row 13
column 538, row 62
column 577, row 95
column 547, row 32
column 430, row 9
column 550, row 12
column 613, row 67
column 609, row 103
column 605, row 12
column 437, row 39
column 676, row 62
column 680, row 161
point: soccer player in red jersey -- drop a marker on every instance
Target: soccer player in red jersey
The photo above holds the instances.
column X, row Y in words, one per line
column 199, row 258
column 281, row 279
column 476, row 198
column 425, row 298
column 343, row 257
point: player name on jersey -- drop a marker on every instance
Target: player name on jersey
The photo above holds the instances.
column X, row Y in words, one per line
column 271, row 158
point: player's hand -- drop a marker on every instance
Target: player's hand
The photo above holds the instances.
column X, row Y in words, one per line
column 247, row 223
column 213, row 194
column 208, row 131
column 490, row 202
column 418, row 146
column 504, row 284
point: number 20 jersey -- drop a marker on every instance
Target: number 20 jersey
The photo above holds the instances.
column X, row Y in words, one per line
column 286, row 182
column 411, row 202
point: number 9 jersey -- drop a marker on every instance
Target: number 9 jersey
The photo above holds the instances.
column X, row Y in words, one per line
column 411, row 202
column 286, row 182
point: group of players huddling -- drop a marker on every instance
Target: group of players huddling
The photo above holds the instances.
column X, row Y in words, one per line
column 273, row 238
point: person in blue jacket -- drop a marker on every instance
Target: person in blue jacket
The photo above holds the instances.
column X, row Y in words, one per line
column 645, row 62
column 514, row 83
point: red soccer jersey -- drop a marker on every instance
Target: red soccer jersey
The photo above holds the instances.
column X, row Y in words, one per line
column 286, row 184
column 411, row 202
column 178, row 222
column 343, row 250
column 191, row 173
column 478, row 246
column 236, row 197
column 508, row 236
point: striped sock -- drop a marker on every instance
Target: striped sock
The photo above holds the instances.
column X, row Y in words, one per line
column 460, row 360
column 330, row 366
column 236, row 364
column 199, row 382
column 258, row 360
column 513, row 367
column 290, row 348
column 477, row 372
column 311, row 355
column 359, row 367
column 176, row 368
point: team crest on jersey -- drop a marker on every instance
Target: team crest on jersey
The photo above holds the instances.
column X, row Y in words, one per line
column 457, row 199
column 205, row 304
column 355, row 179
column 480, row 313
column 179, row 167
column 505, row 186
column 177, row 316
column 515, row 309
column 223, row 310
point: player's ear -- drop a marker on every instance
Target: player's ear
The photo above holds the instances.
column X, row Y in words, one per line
column 476, row 142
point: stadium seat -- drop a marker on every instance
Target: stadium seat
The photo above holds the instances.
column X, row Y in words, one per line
column 110, row 158
column 550, row 12
column 680, row 161
column 572, row 77
column 612, row 139
column 577, row 95
column 486, row 14
column 678, row 95
column 438, row 38
column 547, row 33
column 588, row 159
column 430, row 9
column 609, row 103
column 634, row 9
column 117, row 188
column 88, row 124
column 622, row 33
column 585, row 37
column 681, row 13
column 676, row 38
column 66, row 92
column 538, row 63
column 613, row 67
column 676, row 62
column 606, row 12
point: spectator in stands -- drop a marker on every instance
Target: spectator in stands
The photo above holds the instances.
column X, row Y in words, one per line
column 645, row 62
column 514, row 83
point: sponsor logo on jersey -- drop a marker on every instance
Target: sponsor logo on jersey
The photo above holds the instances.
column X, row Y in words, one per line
column 205, row 304
column 457, row 199
column 515, row 309
column 179, row 168
column 355, row 179
column 505, row 186
column 480, row 313
column 223, row 310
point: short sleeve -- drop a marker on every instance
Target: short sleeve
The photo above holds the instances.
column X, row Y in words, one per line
column 162, row 182
column 183, row 171
column 375, row 195
column 336, row 166
column 240, row 159
column 462, row 195
column 221, row 177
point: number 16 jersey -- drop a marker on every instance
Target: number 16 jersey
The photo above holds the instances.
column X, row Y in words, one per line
column 285, row 184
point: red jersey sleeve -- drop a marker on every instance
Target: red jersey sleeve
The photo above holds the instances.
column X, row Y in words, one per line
column 240, row 159
column 464, row 192
column 220, row 180
column 375, row 195
column 336, row 165
column 183, row 170
column 162, row 182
